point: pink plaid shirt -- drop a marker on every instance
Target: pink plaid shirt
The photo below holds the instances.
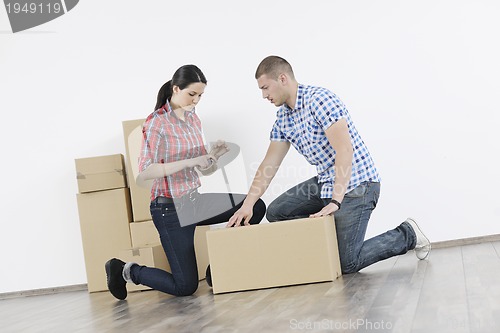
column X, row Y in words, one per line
column 167, row 139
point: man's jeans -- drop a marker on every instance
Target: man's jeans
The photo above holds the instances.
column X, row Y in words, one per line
column 351, row 222
column 178, row 242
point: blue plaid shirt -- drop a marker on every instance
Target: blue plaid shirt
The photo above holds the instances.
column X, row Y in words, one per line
column 316, row 109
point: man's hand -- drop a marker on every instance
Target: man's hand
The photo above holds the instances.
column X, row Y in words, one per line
column 244, row 214
column 327, row 210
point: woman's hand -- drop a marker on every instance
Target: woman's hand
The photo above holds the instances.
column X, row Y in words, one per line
column 219, row 149
column 202, row 162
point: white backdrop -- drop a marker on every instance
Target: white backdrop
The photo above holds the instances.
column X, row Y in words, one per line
column 420, row 80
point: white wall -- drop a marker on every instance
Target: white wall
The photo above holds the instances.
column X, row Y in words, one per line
column 420, row 79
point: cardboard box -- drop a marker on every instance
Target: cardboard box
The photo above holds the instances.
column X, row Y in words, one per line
column 100, row 173
column 104, row 222
column 152, row 256
column 144, row 234
column 273, row 254
column 141, row 196
column 200, row 247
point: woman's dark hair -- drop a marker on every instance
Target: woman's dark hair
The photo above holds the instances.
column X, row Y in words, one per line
column 182, row 78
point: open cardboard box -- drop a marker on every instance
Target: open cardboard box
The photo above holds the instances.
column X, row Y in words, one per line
column 273, row 254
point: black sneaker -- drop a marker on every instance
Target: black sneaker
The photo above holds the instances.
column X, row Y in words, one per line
column 116, row 282
column 208, row 276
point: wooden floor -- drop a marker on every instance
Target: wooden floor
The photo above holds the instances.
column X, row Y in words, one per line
column 456, row 290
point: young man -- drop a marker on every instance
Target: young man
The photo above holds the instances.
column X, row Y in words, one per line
column 316, row 122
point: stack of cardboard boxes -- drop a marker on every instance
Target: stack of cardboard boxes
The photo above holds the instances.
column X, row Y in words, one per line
column 114, row 214
column 105, row 213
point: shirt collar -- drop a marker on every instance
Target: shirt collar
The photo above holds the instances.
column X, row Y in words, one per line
column 168, row 109
column 298, row 102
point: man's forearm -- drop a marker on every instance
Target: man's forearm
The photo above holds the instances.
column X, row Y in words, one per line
column 263, row 177
column 343, row 169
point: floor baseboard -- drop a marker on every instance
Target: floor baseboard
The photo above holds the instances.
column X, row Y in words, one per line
column 43, row 291
column 466, row 241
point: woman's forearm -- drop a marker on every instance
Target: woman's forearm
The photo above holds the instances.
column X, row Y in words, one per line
column 160, row 170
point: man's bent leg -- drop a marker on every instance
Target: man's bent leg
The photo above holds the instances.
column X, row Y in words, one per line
column 298, row 202
column 351, row 223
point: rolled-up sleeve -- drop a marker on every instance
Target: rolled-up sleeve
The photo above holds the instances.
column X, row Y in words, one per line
column 151, row 139
column 327, row 109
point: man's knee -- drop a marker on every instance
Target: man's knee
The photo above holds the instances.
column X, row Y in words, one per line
column 348, row 269
column 276, row 213
column 273, row 212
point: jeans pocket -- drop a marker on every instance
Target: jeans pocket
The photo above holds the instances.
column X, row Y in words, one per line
column 162, row 210
column 358, row 191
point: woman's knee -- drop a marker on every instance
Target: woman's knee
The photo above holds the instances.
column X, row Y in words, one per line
column 259, row 210
column 187, row 290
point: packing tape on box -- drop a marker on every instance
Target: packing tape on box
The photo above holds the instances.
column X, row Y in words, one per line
column 120, row 171
column 80, row 175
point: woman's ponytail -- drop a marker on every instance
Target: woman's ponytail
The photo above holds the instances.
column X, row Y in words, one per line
column 164, row 94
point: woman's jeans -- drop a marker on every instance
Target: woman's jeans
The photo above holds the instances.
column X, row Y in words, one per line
column 178, row 241
column 351, row 222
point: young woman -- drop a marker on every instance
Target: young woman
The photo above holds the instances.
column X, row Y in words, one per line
column 172, row 149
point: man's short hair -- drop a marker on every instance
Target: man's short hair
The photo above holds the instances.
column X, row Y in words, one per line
column 273, row 66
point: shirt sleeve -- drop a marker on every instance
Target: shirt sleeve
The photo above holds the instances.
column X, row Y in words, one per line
column 277, row 130
column 151, row 139
column 327, row 109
